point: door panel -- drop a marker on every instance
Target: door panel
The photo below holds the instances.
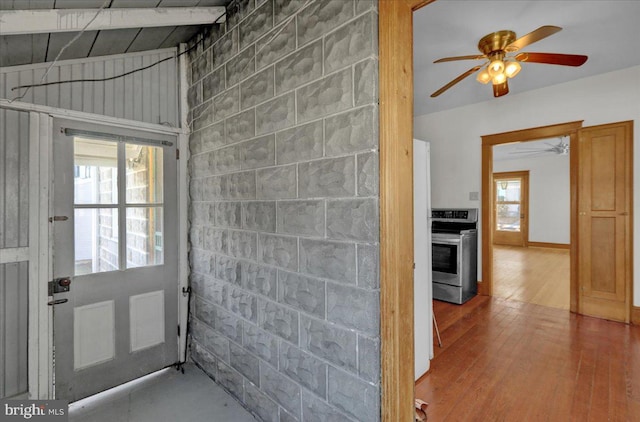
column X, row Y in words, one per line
column 604, row 226
column 510, row 205
column 117, row 189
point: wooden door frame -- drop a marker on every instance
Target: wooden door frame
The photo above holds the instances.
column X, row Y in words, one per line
column 396, row 207
column 485, row 287
column 524, row 199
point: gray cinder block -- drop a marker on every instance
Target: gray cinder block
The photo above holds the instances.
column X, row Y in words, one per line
column 326, row 96
column 280, row 251
column 325, row 259
column 353, row 219
column 334, row 177
column 329, row 341
column 301, row 218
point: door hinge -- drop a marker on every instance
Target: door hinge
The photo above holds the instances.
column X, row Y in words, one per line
column 178, row 330
column 186, row 291
column 177, row 154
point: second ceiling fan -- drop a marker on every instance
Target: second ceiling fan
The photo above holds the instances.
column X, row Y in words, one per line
column 502, row 63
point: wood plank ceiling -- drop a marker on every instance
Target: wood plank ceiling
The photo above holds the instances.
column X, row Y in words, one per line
column 37, row 48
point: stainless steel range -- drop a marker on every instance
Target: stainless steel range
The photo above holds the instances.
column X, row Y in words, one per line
column 455, row 254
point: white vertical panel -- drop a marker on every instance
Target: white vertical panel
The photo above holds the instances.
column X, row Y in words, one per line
column 76, row 87
column 148, row 96
column 422, row 258
column 13, row 329
column 14, row 238
column 14, row 178
column 155, row 93
column 65, row 89
column 146, row 316
column 53, row 91
column 110, row 88
column 137, row 81
column 39, row 95
column 128, row 87
column 93, row 334
column 87, row 87
column 98, row 93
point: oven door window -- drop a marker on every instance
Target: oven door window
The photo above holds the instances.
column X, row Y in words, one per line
column 445, row 258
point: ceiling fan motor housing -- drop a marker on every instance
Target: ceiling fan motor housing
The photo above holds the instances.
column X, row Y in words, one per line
column 496, row 42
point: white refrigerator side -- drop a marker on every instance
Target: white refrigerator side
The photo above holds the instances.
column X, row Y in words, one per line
column 423, row 295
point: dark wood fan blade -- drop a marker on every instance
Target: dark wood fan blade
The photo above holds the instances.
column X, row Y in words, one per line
column 501, row 89
column 531, row 37
column 455, row 81
column 552, row 58
column 453, row 59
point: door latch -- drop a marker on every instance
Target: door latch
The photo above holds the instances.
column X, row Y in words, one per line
column 57, row 302
column 58, row 218
column 59, row 285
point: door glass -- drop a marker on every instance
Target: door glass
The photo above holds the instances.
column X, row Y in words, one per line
column 144, row 236
column 96, row 240
column 95, row 171
column 508, row 197
column 144, row 174
column 104, row 205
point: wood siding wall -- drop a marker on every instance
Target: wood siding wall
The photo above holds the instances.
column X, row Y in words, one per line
column 148, row 96
column 14, row 233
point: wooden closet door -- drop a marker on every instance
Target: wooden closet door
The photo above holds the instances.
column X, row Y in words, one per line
column 604, row 221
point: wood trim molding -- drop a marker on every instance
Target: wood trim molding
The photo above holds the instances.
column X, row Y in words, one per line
column 635, row 315
column 396, row 207
column 532, row 134
column 488, row 141
column 549, row 245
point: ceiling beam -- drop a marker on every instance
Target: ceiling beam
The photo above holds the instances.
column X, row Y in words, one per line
column 18, row 22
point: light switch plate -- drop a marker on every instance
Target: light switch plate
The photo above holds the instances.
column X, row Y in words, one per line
column 474, row 196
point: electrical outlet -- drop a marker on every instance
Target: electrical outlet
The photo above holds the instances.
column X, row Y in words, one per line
column 474, row 196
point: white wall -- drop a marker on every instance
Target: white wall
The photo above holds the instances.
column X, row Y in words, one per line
column 549, row 195
column 456, row 144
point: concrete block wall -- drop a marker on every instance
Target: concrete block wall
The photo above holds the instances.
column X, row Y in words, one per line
column 285, row 208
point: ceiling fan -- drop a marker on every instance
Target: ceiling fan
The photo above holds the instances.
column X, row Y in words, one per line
column 499, row 50
column 561, row 148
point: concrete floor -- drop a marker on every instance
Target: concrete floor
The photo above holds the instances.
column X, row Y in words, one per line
column 166, row 396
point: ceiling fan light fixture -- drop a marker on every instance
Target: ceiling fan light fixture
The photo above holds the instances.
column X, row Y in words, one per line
column 483, row 76
column 500, row 78
column 496, row 67
column 512, row 69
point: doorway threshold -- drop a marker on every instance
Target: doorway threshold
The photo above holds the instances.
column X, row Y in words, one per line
column 163, row 396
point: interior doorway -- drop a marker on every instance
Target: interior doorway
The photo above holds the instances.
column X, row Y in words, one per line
column 531, row 236
column 569, row 130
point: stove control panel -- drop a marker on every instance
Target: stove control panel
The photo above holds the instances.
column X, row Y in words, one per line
column 462, row 215
column 457, row 214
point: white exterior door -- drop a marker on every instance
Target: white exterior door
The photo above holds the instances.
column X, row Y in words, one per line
column 115, row 241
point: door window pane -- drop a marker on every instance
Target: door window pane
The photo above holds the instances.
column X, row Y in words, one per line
column 95, row 171
column 96, row 240
column 508, row 190
column 508, row 218
column 144, row 174
column 145, row 240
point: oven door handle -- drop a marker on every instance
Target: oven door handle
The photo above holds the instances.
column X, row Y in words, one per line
column 446, row 241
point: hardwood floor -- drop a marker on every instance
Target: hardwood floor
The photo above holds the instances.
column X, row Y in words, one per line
column 504, row 360
column 532, row 275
